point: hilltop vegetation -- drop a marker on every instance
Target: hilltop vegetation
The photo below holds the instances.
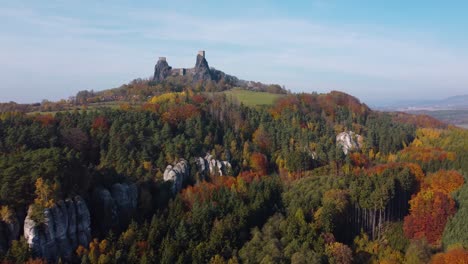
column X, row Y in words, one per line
column 252, row 98
column 291, row 193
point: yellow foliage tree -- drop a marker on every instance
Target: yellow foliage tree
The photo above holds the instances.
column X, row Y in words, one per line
column 45, row 193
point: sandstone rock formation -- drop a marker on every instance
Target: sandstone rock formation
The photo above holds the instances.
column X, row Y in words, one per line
column 177, row 173
column 349, row 141
column 114, row 208
column 126, row 200
column 66, row 226
column 208, row 166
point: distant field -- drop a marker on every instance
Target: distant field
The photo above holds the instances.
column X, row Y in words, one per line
column 251, row 98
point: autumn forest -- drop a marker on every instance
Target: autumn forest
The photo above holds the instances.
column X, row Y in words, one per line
column 195, row 176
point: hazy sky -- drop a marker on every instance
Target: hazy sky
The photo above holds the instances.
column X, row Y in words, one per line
column 379, row 51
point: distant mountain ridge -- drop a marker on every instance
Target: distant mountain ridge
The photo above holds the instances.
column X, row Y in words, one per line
column 459, row 102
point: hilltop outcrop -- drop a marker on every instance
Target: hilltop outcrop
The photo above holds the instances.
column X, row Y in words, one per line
column 202, row 70
column 202, row 73
column 162, row 70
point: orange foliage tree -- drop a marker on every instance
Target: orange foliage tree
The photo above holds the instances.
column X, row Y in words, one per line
column 426, row 154
column 454, row 256
column 444, row 181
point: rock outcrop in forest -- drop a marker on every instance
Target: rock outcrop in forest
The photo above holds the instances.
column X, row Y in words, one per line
column 349, row 141
column 208, row 166
column 66, row 225
column 177, row 173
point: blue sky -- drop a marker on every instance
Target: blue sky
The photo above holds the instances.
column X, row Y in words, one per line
column 379, row 51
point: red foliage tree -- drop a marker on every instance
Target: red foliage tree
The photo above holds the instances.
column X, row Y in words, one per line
column 45, row 120
column 151, row 107
column 359, row 159
column 259, row 163
column 100, row 123
column 178, row 113
column 429, row 212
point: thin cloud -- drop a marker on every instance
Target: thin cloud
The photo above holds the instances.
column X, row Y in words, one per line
column 276, row 50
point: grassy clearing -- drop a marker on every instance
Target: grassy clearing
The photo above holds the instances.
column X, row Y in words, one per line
column 251, row 98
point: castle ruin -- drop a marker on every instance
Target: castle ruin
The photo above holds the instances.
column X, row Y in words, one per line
column 201, row 71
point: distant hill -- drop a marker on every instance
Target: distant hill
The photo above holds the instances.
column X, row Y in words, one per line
column 452, row 110
column 459, row 102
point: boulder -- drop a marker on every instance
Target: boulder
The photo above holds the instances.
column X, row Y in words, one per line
column 349, row 141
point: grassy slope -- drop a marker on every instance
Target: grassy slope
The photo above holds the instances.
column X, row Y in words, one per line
column 251, row 98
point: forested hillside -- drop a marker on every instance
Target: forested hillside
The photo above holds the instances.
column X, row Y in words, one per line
column 191, row 176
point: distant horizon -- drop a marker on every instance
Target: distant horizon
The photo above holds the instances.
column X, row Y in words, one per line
column 379, row 53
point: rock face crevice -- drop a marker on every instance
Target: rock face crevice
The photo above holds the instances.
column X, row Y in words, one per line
column 66, row 225
column 114, row 208
column 349, row 141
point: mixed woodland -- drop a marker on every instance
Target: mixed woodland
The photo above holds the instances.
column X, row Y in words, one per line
column 291, row 196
